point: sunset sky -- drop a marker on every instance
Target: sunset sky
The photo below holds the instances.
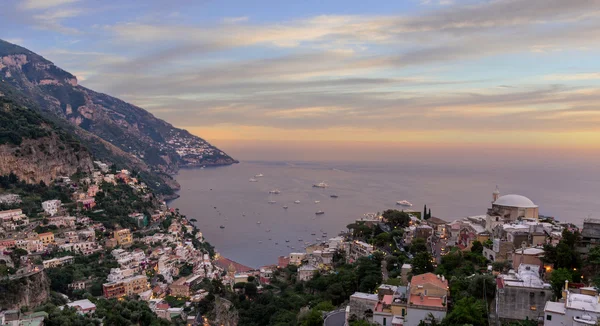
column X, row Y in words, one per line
column 508, row 72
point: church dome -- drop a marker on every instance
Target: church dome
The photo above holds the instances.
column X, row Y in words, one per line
column 515, row 201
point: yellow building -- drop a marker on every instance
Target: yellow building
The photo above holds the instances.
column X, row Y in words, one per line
column 46, row 238
column 123, row 237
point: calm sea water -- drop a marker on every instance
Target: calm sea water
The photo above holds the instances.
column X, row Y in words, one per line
column 224, row 196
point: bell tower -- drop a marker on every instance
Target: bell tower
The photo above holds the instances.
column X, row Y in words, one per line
column 495, row 194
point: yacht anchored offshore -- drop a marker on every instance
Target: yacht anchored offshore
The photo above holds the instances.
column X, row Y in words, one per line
column 320, row 185
column 404, row 203
column 259, row 175
column 275, row 191
column 252, row 180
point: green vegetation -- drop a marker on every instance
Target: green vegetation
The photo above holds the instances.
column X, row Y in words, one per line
column 32, row 195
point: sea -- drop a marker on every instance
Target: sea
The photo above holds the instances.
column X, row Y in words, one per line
column 256, row 232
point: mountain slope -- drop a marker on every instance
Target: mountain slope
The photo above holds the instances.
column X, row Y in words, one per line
column 131, row 129
column 34, row 148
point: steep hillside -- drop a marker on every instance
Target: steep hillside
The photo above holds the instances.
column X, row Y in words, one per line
column 128, row 127
column 33, row 148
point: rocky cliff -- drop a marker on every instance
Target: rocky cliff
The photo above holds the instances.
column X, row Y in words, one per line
column 34, row 148
column 132, row 129
column 28, row 291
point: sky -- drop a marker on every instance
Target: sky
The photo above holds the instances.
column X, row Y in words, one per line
column 516, row 73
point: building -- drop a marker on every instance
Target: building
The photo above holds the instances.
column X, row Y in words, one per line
column 123, row 237
column 11, row 219
column 51, row 207
column 62, row 221
column 427, row 296
column 382, row 312
column 306, row 272
column 528, row 256
column 361, row 305
column 84, row 306
column 509, row 208
column 360, row 249
column 46, row 238
column 522, row 294
column 590, row 235
column 51, row 263
column 181, row 287
column 125, row 287
column 438, row 225
column 577, row 309
column 296, row 258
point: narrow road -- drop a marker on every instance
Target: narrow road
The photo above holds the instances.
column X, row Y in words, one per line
column 384, row 271
column 337, row 318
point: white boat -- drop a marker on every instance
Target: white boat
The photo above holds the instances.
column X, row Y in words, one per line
column 404, row 203
column 317, row 201
column 275, row 191
column 296, row 202
column 320, row 185
column 285, row 207
column 258, row 222
column 272, row 202
column 319, row 213
column 252, row 180
column 260, row 175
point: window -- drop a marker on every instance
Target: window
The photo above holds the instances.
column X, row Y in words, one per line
column 549, row 317
column 384, row 321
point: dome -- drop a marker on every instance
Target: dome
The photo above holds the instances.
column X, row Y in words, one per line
column 515, row 201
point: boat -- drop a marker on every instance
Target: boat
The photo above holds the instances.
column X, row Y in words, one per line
column 222, row 226
column 272, row 202
column 312, row 233
column 260, row 175
column 275, row 191
column 296, row 202
column 320, row 185
column 317, row 201
column 319, row 213
column 299, row 239
column 334, row 196
column 404, row 203
column 276, row 243
column 285, row 207
column 287, row 240
column 252, row 180
column 258, row 222
column 324, row 236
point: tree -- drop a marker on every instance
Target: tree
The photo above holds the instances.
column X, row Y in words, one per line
column 250, row 289
column 418, row 245
column 558, row 278
column 477, row 247
column 396, row 218
column 382, row 239
column 425, row 211
column 469, row 311
column 422, row 263
column 313, row 318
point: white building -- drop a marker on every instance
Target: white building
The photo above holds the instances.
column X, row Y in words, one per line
column 306, row 272
column 51, row 206
column 577, row 309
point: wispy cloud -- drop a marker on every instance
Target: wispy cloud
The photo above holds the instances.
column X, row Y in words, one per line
column 43, row 4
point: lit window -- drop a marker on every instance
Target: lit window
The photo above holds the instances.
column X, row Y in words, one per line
column 534, row 308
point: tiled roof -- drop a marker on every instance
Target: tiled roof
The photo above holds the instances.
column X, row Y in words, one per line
column 428, row 278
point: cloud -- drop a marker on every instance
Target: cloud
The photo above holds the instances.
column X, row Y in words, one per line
column 235, row 20
column 43, row 4
column 573, row 77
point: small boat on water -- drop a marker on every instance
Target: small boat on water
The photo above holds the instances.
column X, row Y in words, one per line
column 258, row 222
column 222, row 226
column 296, row 202
column 252, row 180
column 275, row 192
column 319, row 213
column 320, row 185
column 312, row 233
column 260, row 175
column 404, row 203
column 272, row 202
column 285, row 207
column 287, row 240
column 334, row 196
column 317, row 201
column 299, row 239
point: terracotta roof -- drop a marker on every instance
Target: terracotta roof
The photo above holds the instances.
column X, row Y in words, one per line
column 162, row 306
column 426, row 301
column 428, row 278
column 224, row 263
column 436, row 220
column 45, row 234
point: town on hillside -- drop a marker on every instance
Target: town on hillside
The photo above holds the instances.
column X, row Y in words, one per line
column 103, row 249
